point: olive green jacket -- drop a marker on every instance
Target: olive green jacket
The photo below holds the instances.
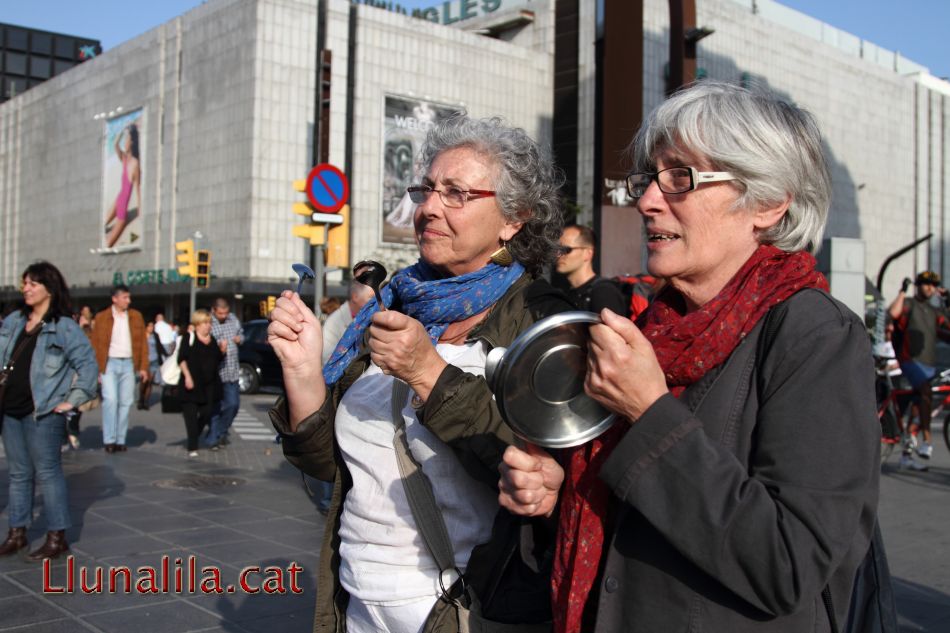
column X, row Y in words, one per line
column 460, row 411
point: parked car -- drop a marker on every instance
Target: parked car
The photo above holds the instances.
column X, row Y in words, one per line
column 259, row 364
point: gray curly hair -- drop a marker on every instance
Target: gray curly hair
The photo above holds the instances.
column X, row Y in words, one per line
column 526, row 183
column 771, row 146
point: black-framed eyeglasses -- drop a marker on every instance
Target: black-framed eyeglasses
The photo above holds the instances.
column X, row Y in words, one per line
column 673, row 180
column 452, row 197
column 564, row 250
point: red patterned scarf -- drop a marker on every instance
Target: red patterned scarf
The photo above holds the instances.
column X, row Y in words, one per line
column 687, row 346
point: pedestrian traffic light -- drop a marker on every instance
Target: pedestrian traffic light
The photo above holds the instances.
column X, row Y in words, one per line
column 202, row 269
column 186, row 257
column 338, row 240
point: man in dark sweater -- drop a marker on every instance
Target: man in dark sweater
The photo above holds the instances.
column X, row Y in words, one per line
column 588, row 290
column 917, row 324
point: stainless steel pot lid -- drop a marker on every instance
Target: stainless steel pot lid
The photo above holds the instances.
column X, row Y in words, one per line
column 538, row 383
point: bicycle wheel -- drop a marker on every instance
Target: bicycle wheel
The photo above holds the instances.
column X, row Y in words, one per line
column 890, row 433
column 946, row 431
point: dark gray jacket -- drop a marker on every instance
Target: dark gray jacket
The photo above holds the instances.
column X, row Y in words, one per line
column 736, row 504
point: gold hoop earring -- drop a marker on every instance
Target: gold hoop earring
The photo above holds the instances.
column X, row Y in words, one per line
column 502, row 256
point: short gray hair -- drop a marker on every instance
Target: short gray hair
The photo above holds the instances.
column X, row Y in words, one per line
column 527, row 183
column 771, row 146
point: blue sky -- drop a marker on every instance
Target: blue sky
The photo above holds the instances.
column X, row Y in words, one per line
column 916, row 28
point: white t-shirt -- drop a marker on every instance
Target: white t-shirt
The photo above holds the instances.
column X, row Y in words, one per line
column 383, row 557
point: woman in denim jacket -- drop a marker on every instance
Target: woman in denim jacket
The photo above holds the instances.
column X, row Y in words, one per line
column 53, row 372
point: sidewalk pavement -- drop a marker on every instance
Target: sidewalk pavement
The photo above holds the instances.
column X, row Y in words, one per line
column 914, row 513
column 245, row 506
column 241, row 506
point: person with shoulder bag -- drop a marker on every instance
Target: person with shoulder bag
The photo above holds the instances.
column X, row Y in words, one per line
column 199, row 386
column 49, row 369
column 403, row 400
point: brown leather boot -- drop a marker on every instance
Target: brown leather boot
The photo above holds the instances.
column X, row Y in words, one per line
column 54, row 546
column 16, row 540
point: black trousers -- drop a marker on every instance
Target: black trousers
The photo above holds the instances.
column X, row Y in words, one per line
column 197, row 417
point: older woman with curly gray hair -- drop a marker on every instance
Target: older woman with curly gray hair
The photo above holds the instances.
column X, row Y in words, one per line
column 731, row 505
column 487, row 220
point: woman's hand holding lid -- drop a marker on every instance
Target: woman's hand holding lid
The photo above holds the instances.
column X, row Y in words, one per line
column 623, row 373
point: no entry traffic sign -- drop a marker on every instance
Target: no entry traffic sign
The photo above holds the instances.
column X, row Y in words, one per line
column 327, row 188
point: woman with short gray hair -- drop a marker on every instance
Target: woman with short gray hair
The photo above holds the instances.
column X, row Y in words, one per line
column 732, row 505
column 486, row 221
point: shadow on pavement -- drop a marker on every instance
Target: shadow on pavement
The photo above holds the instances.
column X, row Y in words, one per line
column 920, row 608
column 936, row 477
column 288, row 612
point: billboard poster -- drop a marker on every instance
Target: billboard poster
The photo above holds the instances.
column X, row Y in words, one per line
column 121, row 206
column 405, row 124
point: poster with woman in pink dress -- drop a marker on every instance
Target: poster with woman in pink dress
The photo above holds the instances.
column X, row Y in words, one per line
column 122, row 180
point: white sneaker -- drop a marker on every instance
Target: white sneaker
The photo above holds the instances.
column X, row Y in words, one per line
column 193, row 454
column 911, row 442
column 925, row 450
column 909, row 463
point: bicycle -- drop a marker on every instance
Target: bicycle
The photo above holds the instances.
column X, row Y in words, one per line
column 893, row 406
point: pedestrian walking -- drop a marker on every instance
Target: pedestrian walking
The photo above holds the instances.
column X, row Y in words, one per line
column 199, row 387
column 226, row 328
column 118, row 337
column 49, row 369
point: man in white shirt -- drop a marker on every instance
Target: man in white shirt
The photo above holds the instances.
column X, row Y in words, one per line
column 341, row 318
column 166, row 335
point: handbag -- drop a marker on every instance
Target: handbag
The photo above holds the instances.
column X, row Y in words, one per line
column 458, row 609
column 170, row 369
column 171, row 401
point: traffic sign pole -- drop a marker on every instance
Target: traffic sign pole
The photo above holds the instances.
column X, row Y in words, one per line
column 327, row 189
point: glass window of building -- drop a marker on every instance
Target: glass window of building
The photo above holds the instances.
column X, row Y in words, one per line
column 39, row 67
column 16, row 38
column 61, row 66
column 15, row 63
column 41, row 43
column 65, row 47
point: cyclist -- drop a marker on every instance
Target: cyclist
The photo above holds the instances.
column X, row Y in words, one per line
column 917, row 324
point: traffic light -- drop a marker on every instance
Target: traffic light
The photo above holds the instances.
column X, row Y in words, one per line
column 312, row 232
column 309, row 231
column 271, row 303
column 186, row 258
column 202, row 269
column 338, row 240
column 302, row 208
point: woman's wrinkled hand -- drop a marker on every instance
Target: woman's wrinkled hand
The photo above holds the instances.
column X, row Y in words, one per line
column 296, row 336
column 623, row 373
column 400, row 346
column 530, row 481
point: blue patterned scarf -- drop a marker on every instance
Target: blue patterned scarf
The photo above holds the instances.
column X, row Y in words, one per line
column 435, row 302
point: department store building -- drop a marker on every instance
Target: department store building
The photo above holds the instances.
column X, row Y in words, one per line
column 225, row 106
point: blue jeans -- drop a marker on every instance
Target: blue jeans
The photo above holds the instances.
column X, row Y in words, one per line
column 118, row 394
column 224, row 411
column 33, row 455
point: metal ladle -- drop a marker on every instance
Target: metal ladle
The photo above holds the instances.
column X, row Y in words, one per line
column 371, row 274
column 303, row 272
